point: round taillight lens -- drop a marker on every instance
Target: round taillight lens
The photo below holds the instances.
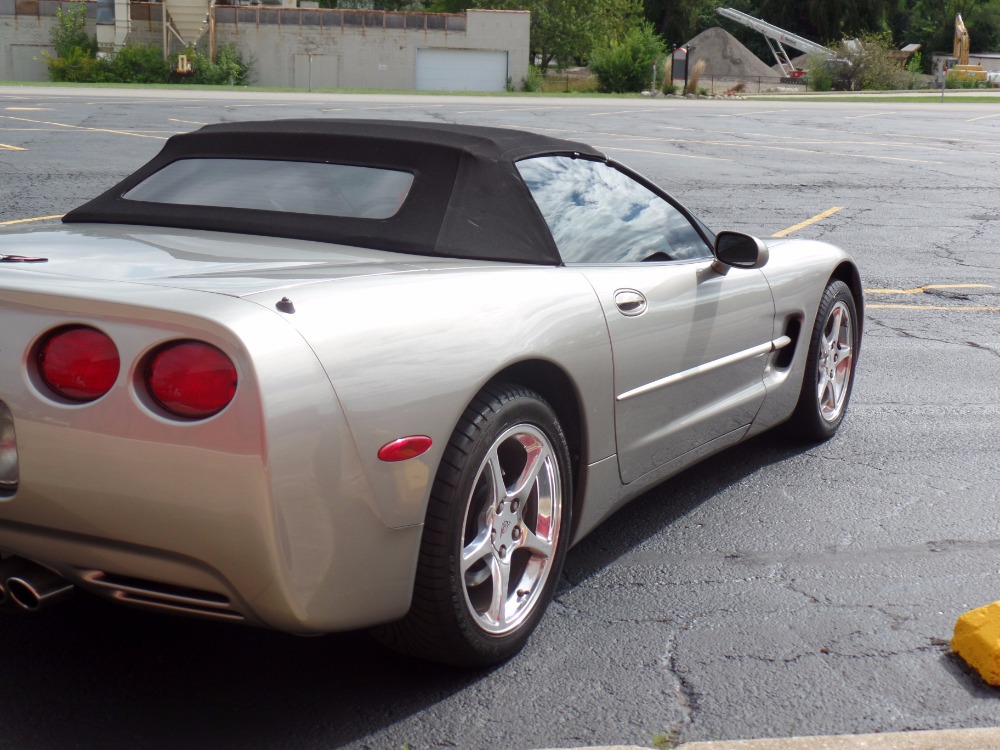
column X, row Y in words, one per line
column 78, row 363
column 191, row 379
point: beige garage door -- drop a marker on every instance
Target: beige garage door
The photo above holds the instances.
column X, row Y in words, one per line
column 461, row 70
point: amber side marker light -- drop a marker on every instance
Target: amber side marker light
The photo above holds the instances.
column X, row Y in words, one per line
column 78, row 363
column 404, row 448
column 191, row 379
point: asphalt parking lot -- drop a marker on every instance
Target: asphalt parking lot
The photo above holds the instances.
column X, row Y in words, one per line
column 774, row 591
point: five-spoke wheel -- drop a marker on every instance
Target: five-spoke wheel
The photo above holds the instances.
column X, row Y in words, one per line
column 511, row 529
column 496, row 533
column 835, row 361
column 829, row 374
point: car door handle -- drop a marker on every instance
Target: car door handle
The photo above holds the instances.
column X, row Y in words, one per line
column 630, row 302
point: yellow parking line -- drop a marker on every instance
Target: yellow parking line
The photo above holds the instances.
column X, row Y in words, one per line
column 25, row 221
column 953, row 308
column 80, row 127
column 924, row 290
column 5, row 147
column 925, row 287
column 870, row 114
column 818, row 217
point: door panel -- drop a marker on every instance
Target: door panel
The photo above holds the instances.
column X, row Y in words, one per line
column 688, row 368
column 689, row 342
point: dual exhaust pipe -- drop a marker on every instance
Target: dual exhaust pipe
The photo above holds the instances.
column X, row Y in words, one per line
column 29, row 585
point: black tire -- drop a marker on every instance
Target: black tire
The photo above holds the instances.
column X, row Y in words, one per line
column 830, row 366
column 479, row 608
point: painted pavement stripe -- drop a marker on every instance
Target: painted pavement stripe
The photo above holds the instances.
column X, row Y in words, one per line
column 802, row 224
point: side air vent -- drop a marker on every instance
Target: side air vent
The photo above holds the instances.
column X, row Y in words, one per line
column 793, row 329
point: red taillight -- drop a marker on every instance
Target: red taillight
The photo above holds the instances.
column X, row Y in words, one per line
column 191, row 379
column 78, row 363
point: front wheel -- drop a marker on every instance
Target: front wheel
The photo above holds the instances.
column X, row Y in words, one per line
column 495, row 535
column 830, row 365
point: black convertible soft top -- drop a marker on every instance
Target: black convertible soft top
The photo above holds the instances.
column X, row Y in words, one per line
column 467, row 199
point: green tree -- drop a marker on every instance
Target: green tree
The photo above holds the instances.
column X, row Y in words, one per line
column 565, row 31
column 931, row 23
column 70, row 31
column 829, row 21
column 447, row 6
column 868, row 63
column 76, row 51
column 984, row 32
column 680, row 20
column 625, row 65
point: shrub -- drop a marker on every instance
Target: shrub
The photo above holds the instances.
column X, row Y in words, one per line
column 78, row 66
column 626, row 66
column 76, row 53
column 694, row 75
column 532, row 81
column 914, row 71
column 229, row 68
column 77, row 60
column 140, row 63
column 956, row 80
column 869, row 63
column 820, row 76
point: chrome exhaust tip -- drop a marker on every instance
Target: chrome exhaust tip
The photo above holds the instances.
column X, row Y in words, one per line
column 33, row 586
column 10, row 567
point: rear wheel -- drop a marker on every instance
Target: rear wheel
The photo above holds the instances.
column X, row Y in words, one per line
column 495, row 535
column 829, row 375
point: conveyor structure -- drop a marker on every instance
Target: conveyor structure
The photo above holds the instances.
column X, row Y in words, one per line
column 777, row 38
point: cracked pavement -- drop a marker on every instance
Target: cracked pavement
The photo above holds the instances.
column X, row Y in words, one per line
column 775, row 590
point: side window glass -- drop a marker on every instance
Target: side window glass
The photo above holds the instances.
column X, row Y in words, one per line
column 599, row 215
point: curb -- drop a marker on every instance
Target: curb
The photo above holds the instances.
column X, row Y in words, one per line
column 944, row 739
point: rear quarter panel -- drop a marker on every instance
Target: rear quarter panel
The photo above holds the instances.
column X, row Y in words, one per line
column 406, row 354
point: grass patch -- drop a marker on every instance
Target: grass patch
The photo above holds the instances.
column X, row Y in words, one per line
column 552, row 84
column 666, row 740
column 950, row 97
column 561, row 83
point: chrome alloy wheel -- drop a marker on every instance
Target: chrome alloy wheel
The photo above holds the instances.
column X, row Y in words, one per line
column 511, row 529
column 835, row 362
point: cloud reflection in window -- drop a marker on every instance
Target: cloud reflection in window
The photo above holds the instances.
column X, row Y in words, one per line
column 599, row 215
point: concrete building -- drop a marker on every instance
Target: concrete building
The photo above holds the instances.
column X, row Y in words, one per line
column 305, row 48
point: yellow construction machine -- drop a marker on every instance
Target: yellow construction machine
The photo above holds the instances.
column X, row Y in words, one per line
column 961, row 70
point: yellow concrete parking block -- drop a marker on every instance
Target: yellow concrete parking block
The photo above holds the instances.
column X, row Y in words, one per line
column 977, row 640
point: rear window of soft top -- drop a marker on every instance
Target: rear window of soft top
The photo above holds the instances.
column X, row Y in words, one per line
column 301, row 187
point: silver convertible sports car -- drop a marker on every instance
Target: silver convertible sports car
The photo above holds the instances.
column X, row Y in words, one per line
column 317, row 375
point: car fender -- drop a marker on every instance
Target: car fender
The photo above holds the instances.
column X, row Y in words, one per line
column 798, row 272
column 406, row 354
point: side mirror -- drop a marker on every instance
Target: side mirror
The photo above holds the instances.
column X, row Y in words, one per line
column 738, row 250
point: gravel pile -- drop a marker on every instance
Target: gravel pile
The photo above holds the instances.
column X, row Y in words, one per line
column 725, row 56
